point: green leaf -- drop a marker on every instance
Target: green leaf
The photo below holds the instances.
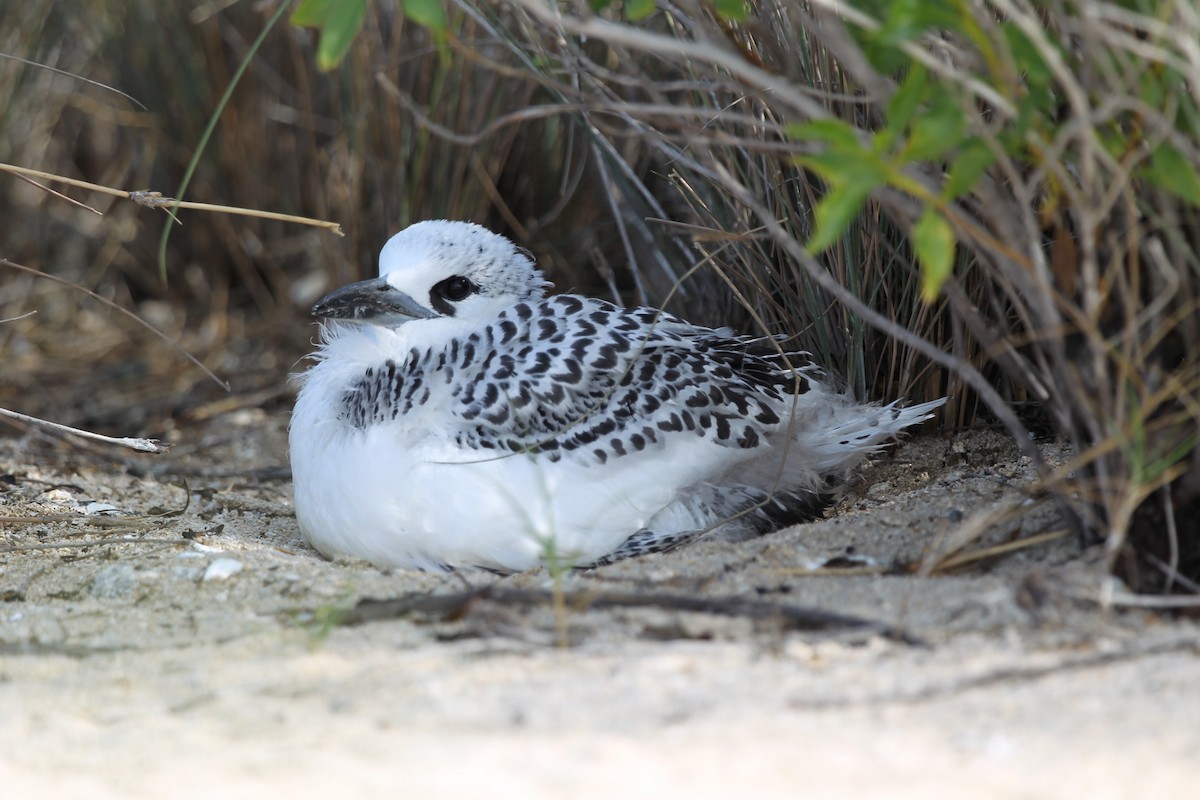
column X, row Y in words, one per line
column 1027, row 57
column 1170, row 171
column 838, row 134
column 732, row 10
column 311, row 13
column 967, row 167
column 1153, row 87
column 429, row 14
column 834, row 213
column 1114, row 137
column 933, row 241
column 887, row 59
column 908, row 97
column 343, row 25
column 908, row 19
column 851, row 171
column 839, row 168
column 339, row 21
column 937, row 131
column 639, row 9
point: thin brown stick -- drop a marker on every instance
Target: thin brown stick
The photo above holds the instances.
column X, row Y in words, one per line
column 959, row 559
column 456, row 604
column 141, row 445
column 19, row 317
column 17, row 548
column 156, row 200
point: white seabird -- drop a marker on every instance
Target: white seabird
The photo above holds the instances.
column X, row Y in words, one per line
column 457, row 416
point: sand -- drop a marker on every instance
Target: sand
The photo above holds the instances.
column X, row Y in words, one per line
column 165, row 632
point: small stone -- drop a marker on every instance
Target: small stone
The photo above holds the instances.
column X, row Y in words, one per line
column 880, row 489
column 187, row 573
column 116, row 580
column 223, row 568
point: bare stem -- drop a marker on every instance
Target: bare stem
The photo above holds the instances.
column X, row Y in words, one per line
column 141, row 445
column 156, row 200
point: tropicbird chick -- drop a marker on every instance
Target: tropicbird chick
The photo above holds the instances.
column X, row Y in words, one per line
column 456, row 416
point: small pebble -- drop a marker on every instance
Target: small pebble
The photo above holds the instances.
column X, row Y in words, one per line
column 880, row 489
column 116, row 580
column 188, row 573
column 223, row 568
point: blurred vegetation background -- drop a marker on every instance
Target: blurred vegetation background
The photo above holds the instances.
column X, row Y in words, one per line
column 337, row 146
column 678, row 154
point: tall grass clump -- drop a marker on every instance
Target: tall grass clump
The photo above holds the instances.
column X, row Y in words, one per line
column 1005, row 191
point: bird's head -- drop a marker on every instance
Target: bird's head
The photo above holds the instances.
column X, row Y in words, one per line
column 438, row 269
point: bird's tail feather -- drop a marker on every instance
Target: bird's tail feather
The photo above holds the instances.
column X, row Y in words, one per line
column 864, row 429
column 832, row 433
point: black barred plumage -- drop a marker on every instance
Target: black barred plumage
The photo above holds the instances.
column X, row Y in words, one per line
column 620, row 382
column 459, row 417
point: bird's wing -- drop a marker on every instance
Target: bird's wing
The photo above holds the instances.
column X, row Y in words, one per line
column 578, row 374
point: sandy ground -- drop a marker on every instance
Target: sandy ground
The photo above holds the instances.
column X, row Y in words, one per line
column 191, row 643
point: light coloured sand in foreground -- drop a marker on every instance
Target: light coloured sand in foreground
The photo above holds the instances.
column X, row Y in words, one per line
column 179, row 670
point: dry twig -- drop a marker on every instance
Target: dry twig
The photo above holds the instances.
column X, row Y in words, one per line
column 133, row 443
column 156, row 200
column 457, row 604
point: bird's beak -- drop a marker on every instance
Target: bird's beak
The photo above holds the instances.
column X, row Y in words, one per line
column 374, row 301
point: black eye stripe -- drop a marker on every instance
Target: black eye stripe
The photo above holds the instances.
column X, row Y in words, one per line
column 452, row 290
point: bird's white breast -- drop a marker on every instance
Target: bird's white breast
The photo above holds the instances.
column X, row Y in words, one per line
column 402, row 493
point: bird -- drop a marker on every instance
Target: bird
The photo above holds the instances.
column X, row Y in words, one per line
column 457, row 415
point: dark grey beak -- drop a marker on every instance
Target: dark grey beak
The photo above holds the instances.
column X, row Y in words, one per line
column 374, row 302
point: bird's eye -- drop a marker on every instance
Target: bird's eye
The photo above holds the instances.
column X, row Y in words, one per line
column 455, row 288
